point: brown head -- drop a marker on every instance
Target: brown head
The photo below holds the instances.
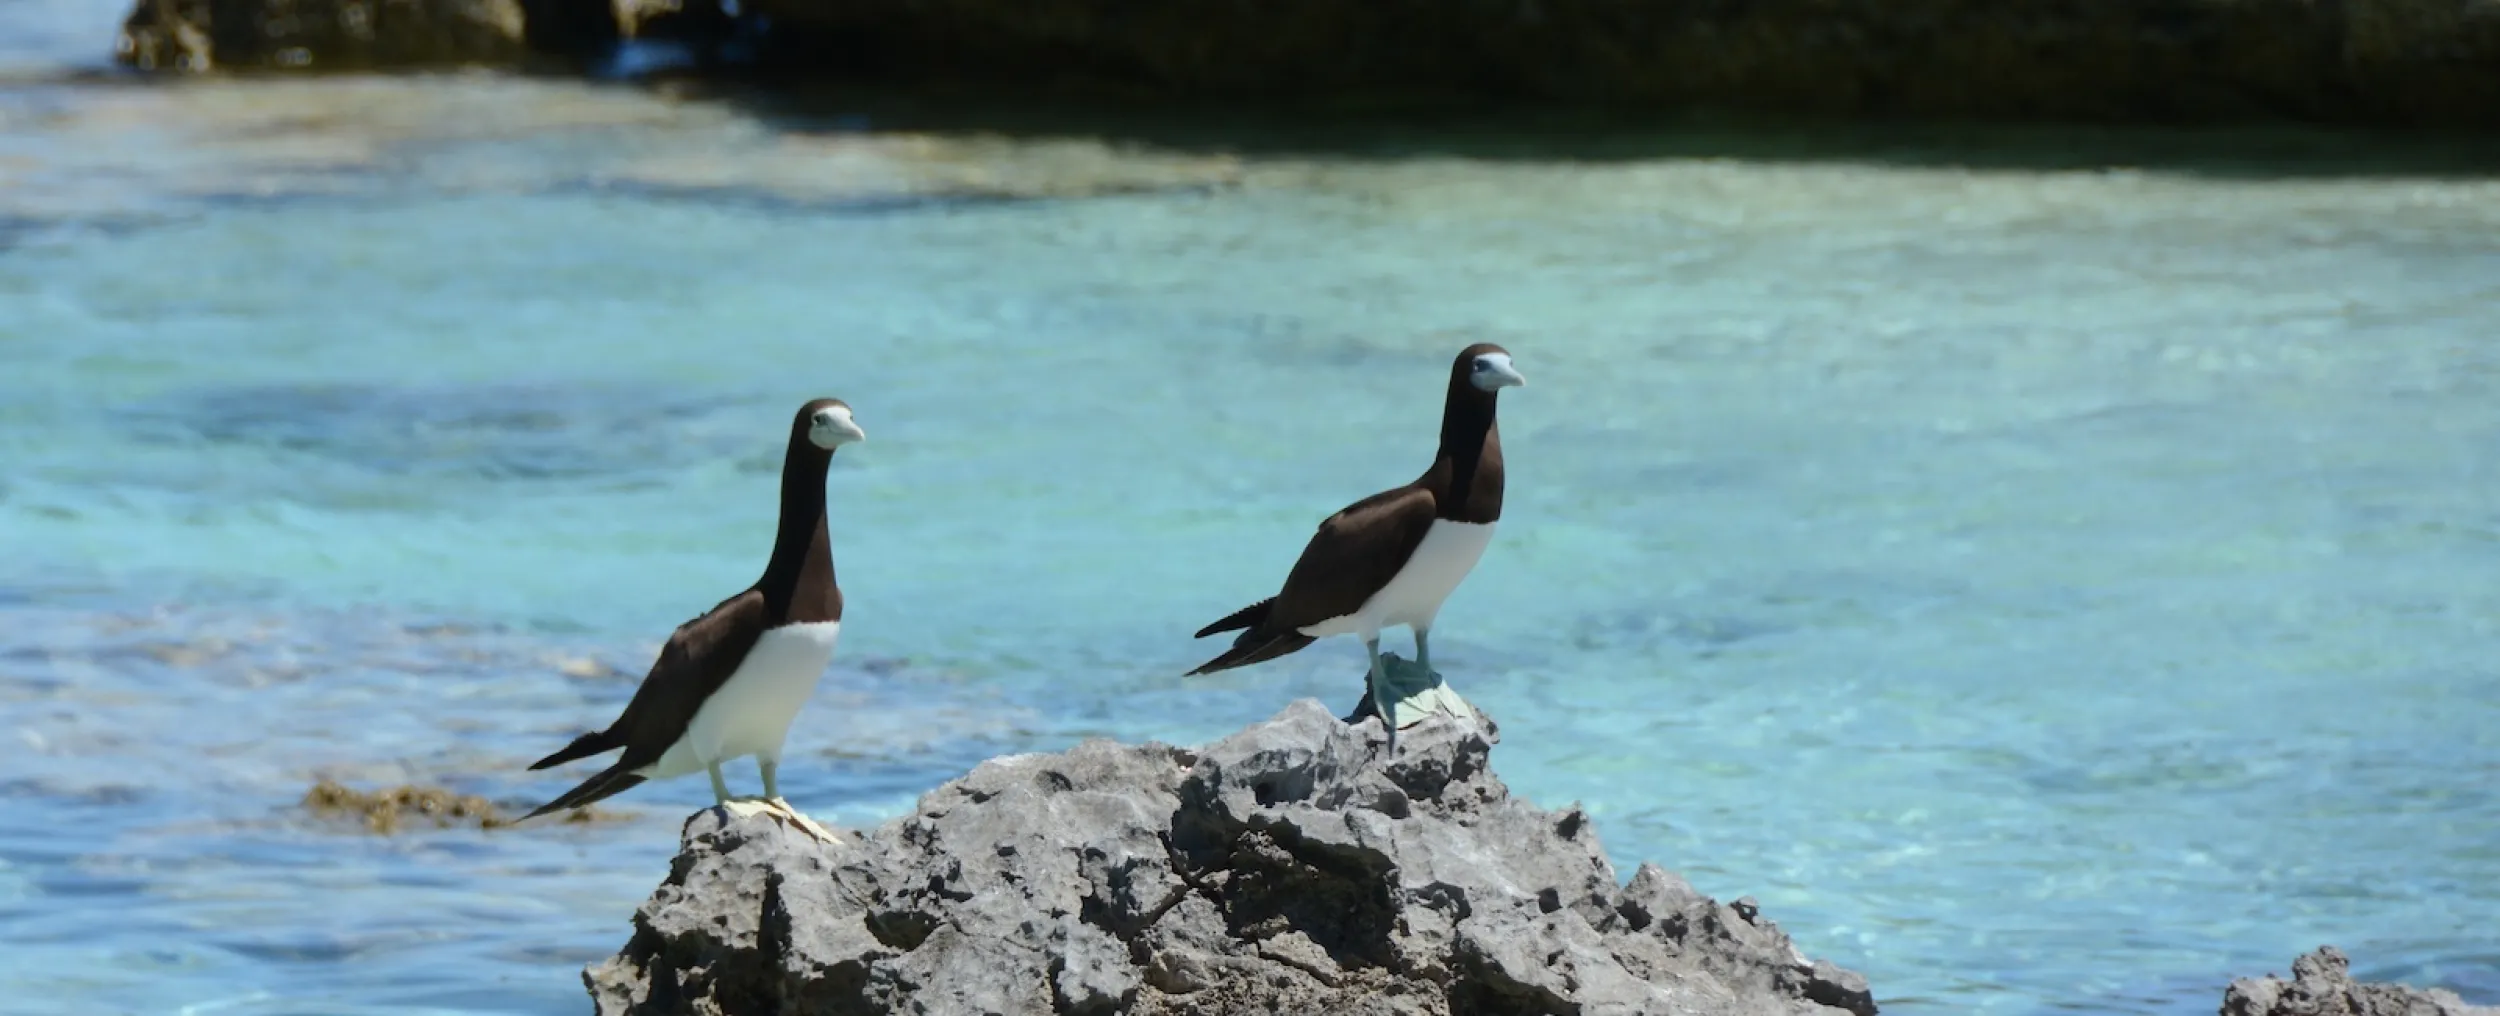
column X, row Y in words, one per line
column 826, row 424
column 798, row 583
column 1484, row 367
column 1466, row 475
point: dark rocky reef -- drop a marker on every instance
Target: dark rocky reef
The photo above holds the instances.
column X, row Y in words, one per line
column 1288, row 868
column 2390, row 62
column 335, row 35
column 2381, row 61
column 2322, row 985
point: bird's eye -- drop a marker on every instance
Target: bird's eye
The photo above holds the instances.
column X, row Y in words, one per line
column 1481, row 365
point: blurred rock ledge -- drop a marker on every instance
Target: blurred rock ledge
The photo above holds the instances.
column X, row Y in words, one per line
column 2377, row 62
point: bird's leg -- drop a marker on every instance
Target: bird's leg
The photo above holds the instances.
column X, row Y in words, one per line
column 1380, row 703
column 1419, row 689
column 739, row 806
column 788, row 813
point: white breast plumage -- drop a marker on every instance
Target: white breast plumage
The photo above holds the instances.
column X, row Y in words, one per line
column 1450, row 550
column 750, row 714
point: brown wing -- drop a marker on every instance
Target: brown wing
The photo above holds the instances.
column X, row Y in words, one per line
column 1355, row 553
column 697, row 660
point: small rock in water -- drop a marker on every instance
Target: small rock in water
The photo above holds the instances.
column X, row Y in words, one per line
column 586, row 667
column 188, row 654
column 1289, row 868
column 2322, row 985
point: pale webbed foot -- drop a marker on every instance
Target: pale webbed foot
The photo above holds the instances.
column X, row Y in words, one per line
column 791, row 815
column 747, row 807
column 781, row 811
column 1414, row 692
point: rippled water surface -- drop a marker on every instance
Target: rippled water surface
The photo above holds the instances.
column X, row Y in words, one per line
column 2043, row 589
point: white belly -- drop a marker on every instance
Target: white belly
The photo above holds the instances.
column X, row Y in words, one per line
column 1449, row 551
column 751, row 713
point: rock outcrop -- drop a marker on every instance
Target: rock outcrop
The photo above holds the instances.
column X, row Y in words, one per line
column 2392, row 62
column 2322, row 985
column 1286, row 869
column 2378, row 61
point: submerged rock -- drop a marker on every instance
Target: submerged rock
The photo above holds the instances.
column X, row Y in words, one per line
column 389, row 811
column 2322, row 985
column 1285, row 869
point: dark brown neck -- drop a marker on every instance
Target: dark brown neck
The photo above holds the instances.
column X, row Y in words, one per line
column 1467, row 472
column 798, row 582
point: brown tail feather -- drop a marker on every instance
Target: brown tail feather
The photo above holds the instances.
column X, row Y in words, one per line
column 1246, row 617
column 1254, row 646
column 610, row 782
column 584, row 746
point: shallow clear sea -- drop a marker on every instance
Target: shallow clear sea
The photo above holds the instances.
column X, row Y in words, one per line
column 2046, row 587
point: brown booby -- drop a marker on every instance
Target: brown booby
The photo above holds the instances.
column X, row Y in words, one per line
column 1392, row 558
column 728, row 683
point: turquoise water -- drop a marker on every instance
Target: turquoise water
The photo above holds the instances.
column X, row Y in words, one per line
column 2043, row 589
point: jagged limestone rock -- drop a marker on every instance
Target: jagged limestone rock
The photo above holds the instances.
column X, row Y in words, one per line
column 1289, row 868
column 2322, row 985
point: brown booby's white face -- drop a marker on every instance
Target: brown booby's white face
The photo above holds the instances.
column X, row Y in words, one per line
column 1492, row 372
column 832, row 427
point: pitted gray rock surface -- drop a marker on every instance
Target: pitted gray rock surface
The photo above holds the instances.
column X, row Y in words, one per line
column 1284, row 869
column 2322, row 985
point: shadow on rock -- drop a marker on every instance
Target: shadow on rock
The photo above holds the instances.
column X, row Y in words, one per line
column 1287, row 868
